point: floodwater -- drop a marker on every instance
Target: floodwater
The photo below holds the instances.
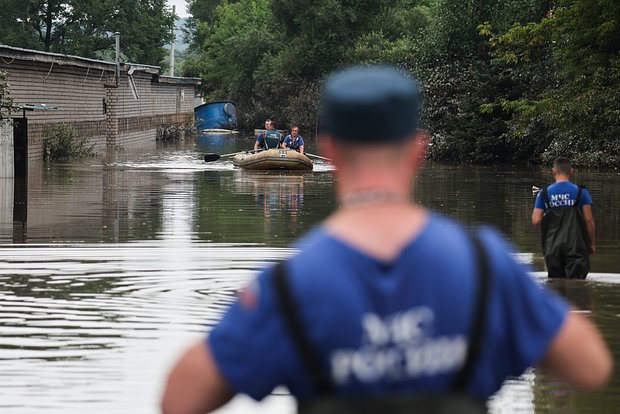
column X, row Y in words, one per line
column 110, row 267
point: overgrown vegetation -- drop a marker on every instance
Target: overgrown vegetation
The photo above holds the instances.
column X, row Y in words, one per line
column 506, row 81
column 6, row 103
column 190, row 128
column 177, row 132
column 169, row 133
column 63, row 142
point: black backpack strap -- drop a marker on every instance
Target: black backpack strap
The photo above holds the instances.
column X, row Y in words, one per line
column 310, row 360
column 545, row 197
column 578, row 199
column 477, row 331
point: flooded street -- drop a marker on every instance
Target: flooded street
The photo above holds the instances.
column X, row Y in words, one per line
column 110, row 267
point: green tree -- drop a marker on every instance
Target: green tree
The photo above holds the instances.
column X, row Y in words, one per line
column 455, row 63
column 201, row 11
column 85, row 27
column 14, row 25
column 391, row 33
column 574, row 108
column 270, row 55
column 320, row 33
column 242, row 38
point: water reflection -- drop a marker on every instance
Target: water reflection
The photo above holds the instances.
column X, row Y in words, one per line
column 578, row 292
column 108, row 268
column 280, row 197
column 94, row 328
column 217, row 143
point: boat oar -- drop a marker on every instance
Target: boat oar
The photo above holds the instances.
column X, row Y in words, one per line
column 318, row 156
column 214, row 157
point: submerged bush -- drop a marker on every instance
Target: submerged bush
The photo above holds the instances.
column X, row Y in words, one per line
column 190, row 128
column 63, row 142
column 169, row 133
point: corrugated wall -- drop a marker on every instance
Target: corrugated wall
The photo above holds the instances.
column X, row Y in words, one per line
column 84, row 94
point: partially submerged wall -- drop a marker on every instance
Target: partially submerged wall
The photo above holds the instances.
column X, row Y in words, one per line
column 84, row 93
column 6, row 150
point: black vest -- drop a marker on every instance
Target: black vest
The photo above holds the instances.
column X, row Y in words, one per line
column 565, row 239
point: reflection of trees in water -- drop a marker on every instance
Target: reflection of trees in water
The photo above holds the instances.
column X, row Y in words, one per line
column 577, row 292
column 218, row 143
column 260, row 207
column 601, row 303
column 48, row 288
column 502, row 196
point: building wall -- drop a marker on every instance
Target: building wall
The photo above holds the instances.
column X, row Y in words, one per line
column 6, row 150
column 83, row 92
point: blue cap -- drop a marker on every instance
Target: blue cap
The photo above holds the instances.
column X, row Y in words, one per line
column 370, row 104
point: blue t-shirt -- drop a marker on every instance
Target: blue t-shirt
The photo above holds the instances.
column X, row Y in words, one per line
column 563, row 194
column 389, row 327
column 294, row 144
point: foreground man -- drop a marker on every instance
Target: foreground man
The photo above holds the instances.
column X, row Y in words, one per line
column 385, row 298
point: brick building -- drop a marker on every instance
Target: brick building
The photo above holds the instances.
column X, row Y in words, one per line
column 112, row 113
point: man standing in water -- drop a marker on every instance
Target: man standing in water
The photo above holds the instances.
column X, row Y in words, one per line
column 564, row 212
column 385, row 298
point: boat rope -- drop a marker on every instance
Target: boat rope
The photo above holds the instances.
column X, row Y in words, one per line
column 5, row 62
column 85, row 77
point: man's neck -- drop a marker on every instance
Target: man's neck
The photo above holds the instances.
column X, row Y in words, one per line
column 560, row 178
column 373, row 197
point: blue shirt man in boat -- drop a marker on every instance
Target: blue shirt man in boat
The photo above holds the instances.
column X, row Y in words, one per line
column 384, row 293
column 564, row 212
column 269, row 138
column 294, row 141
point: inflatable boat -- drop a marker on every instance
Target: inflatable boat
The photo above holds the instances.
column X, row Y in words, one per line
column 273, row 159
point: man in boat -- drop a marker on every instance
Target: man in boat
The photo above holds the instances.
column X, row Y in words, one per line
column 294, row 141
column 385, row 299
column 269, row 138
column 564, row 212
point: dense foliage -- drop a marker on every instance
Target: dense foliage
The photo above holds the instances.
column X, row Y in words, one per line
column 568, row 65
column 507, row 81
column 85, row 27
column 63, row 142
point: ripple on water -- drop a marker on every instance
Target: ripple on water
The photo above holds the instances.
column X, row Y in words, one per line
column 188, row 162
column 99, row 325
column 99, row 332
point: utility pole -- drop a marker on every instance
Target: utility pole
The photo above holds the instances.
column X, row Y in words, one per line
column 174, row 17
column 117, row 72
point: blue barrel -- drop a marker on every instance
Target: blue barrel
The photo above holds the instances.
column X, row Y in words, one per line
column 216, row 115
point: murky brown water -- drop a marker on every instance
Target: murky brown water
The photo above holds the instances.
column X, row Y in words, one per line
column 108, row 268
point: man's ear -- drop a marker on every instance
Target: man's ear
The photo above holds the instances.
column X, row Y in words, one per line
column 420, row 146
